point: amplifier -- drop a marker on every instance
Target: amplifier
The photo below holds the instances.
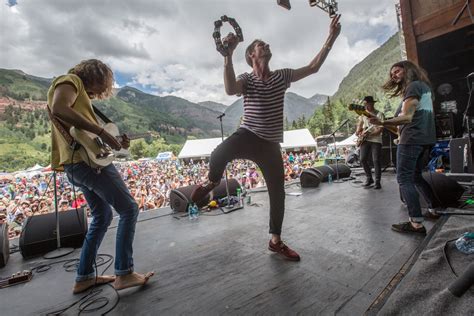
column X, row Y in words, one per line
column 444, row 125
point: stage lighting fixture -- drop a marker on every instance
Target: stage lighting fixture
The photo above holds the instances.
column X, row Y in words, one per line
column 330, row 6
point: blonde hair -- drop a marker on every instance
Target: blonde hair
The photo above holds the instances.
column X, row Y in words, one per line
column 93, row 72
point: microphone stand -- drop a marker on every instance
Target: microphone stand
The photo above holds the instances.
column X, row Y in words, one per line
column 59, row 251
column 333, row 134
column 466, row 126
column 225, row 170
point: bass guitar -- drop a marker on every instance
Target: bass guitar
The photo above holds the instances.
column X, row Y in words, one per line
column 95, row 152
column 363, row 137
column 360, row 110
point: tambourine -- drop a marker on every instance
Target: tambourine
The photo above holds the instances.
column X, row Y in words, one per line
column 223, row 48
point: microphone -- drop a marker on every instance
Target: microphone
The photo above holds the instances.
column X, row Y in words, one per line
column 221, row 116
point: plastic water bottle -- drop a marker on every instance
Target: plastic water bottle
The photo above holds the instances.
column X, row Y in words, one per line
column 239, row 197
column 465, row 243
column 330, row 178
column 190, row 211
column 196, row 211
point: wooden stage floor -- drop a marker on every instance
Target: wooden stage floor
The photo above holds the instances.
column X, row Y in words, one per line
column 220, row 264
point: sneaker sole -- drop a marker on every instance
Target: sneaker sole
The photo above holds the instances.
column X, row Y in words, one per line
column 408, row 232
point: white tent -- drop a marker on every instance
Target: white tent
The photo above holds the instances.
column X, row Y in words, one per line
column 199, row 148
column 298, row 138
column 202, row 148
column 349, row 141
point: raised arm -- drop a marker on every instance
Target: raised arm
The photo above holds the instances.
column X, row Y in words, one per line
column 315, row 64
column 231, row 84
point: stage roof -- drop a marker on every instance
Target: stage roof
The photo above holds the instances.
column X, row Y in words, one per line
column 202, row 148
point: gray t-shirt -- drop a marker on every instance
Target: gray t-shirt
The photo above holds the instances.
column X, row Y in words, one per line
column 421, row 130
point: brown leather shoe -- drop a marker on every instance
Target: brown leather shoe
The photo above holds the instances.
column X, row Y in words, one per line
column 283, row 250
column 431, row 215
column 202, row 190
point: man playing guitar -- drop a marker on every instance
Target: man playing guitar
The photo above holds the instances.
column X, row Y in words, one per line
column 69, row 103
column 370, row 141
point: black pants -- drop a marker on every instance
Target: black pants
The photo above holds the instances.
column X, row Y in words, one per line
column 376, row 149
column 244, row 144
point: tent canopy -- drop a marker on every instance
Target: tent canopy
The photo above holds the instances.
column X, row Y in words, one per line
column 349, row 141
column 202, row 148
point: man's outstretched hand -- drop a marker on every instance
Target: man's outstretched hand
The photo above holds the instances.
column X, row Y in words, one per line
column 335, row 27
column 231, row 40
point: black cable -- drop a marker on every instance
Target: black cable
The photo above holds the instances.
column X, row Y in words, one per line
column 92, row 298
column 446, row 256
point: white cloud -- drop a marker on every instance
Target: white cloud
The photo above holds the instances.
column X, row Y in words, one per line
column 167, row 44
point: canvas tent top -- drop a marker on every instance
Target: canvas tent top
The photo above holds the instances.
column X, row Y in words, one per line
column 202, row 148
column 349, row 141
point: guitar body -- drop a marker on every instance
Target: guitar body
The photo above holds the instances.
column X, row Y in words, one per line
column 95, row 152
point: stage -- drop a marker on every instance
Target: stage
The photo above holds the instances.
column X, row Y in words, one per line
column 221, row 265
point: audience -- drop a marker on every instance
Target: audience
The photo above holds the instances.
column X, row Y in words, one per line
column 149, row 182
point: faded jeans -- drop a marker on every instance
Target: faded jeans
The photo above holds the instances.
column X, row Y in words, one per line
column 409, row 177
column 101, row 191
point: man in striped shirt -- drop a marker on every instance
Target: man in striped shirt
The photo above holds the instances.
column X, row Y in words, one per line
column 259, row 136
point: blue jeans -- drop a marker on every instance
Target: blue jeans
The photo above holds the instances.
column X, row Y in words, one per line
column 101, row 191
column 409, row 177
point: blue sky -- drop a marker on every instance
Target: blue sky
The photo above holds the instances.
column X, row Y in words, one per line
column 165, row 47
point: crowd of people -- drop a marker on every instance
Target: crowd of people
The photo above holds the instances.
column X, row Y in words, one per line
column 150, row 182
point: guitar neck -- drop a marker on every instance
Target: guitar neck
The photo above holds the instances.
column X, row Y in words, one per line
column 136, row 136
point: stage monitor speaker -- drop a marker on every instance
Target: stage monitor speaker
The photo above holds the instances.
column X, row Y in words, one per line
column 446, row 191
column 38, row 235
column 343, row 170
column 181, row 197
column 325, row 171
column 220, row 191
column 4, row 245
column 460, row 159
column 310, row 178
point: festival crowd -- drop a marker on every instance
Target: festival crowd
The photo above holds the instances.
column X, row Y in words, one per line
column 150, row 182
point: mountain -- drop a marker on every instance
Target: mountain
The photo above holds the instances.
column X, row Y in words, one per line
column 215, row 106
column 296, row 107
column 18, row 85
column 367, row 77
column 318, row 98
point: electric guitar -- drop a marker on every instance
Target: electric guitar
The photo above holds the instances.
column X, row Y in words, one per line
column 95, row 152
column 363, row 137
column 360, row 110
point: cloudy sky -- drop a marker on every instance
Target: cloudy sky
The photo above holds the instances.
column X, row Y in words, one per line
column 165, row 47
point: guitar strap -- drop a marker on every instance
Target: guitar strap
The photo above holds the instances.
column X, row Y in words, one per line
column 102, row 116
column 62, row 129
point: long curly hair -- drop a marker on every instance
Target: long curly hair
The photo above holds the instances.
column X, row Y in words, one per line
column 94, row 73
column 412, row 73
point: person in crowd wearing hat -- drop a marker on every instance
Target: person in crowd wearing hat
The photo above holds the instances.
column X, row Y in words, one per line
column 69, row 101
column 415, row 120
column 372, row 144
column 261, row 132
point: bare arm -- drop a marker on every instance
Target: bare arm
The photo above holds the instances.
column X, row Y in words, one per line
column 405, row 117
column 63, row 99
column 359, row 129
column 231, row 84
column 316, row 63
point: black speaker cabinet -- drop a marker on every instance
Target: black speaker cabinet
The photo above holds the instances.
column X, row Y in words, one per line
column 343, row 170
column 460, row 159
column 38, row 235
column 446, row 191
column 220, row 191
column 4, row 245
column 325, row 171
column 181, row 197
column 310, row 178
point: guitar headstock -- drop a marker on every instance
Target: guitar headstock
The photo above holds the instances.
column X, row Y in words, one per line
column 359, row 109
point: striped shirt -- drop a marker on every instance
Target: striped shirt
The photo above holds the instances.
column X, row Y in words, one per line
column 263, row 103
